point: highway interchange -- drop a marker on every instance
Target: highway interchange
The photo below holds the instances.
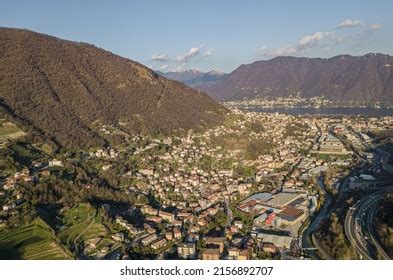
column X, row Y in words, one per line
column 360, row 227
column 359, row 223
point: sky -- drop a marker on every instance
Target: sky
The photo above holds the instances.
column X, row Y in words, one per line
column 176, row 35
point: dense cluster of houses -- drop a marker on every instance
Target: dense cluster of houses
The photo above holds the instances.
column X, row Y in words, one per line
column 195, row 194
column 191, row 191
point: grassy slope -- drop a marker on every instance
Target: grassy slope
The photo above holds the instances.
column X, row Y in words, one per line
column 81, row 219
column 31, row 242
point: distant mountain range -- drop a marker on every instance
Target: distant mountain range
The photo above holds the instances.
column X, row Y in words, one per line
column 195, row 78
column 62, row 92
column 343, row 78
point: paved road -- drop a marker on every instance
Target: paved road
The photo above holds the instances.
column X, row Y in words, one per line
column 229, row 213
column 359, row 226
column 373, row 234
column 331, row 204
column 115, row 253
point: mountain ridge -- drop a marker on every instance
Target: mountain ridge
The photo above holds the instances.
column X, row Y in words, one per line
column 366, row 78
column 59, row 90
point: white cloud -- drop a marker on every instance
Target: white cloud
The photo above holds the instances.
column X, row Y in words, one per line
column 314, row 38
column 184, row 58
column 349, row 23
column 193, row 52
column 375, row 27
column 285, row 51
column 208, row 52
column 159, row 57
column 324, row 41
column 264, row 47
column 177, row 63
column 306, row 42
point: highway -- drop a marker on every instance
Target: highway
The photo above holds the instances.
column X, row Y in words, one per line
column 360, row 231
column 359, row 227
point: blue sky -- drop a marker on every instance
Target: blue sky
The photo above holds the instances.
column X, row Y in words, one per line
column 214, row 34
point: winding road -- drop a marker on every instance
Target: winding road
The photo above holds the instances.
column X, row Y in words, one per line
column 359, row 226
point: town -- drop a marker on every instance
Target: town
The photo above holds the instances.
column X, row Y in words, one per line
column 296, row 101
column 254, row 187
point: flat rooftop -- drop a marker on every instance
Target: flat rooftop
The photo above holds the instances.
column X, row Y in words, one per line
column 297, row 202
column 262, row 197
column 282, row 199
column 279, row 241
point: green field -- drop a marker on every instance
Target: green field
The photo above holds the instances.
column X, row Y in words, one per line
column 33, row 242
column 332, row 157
column 81, row 223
